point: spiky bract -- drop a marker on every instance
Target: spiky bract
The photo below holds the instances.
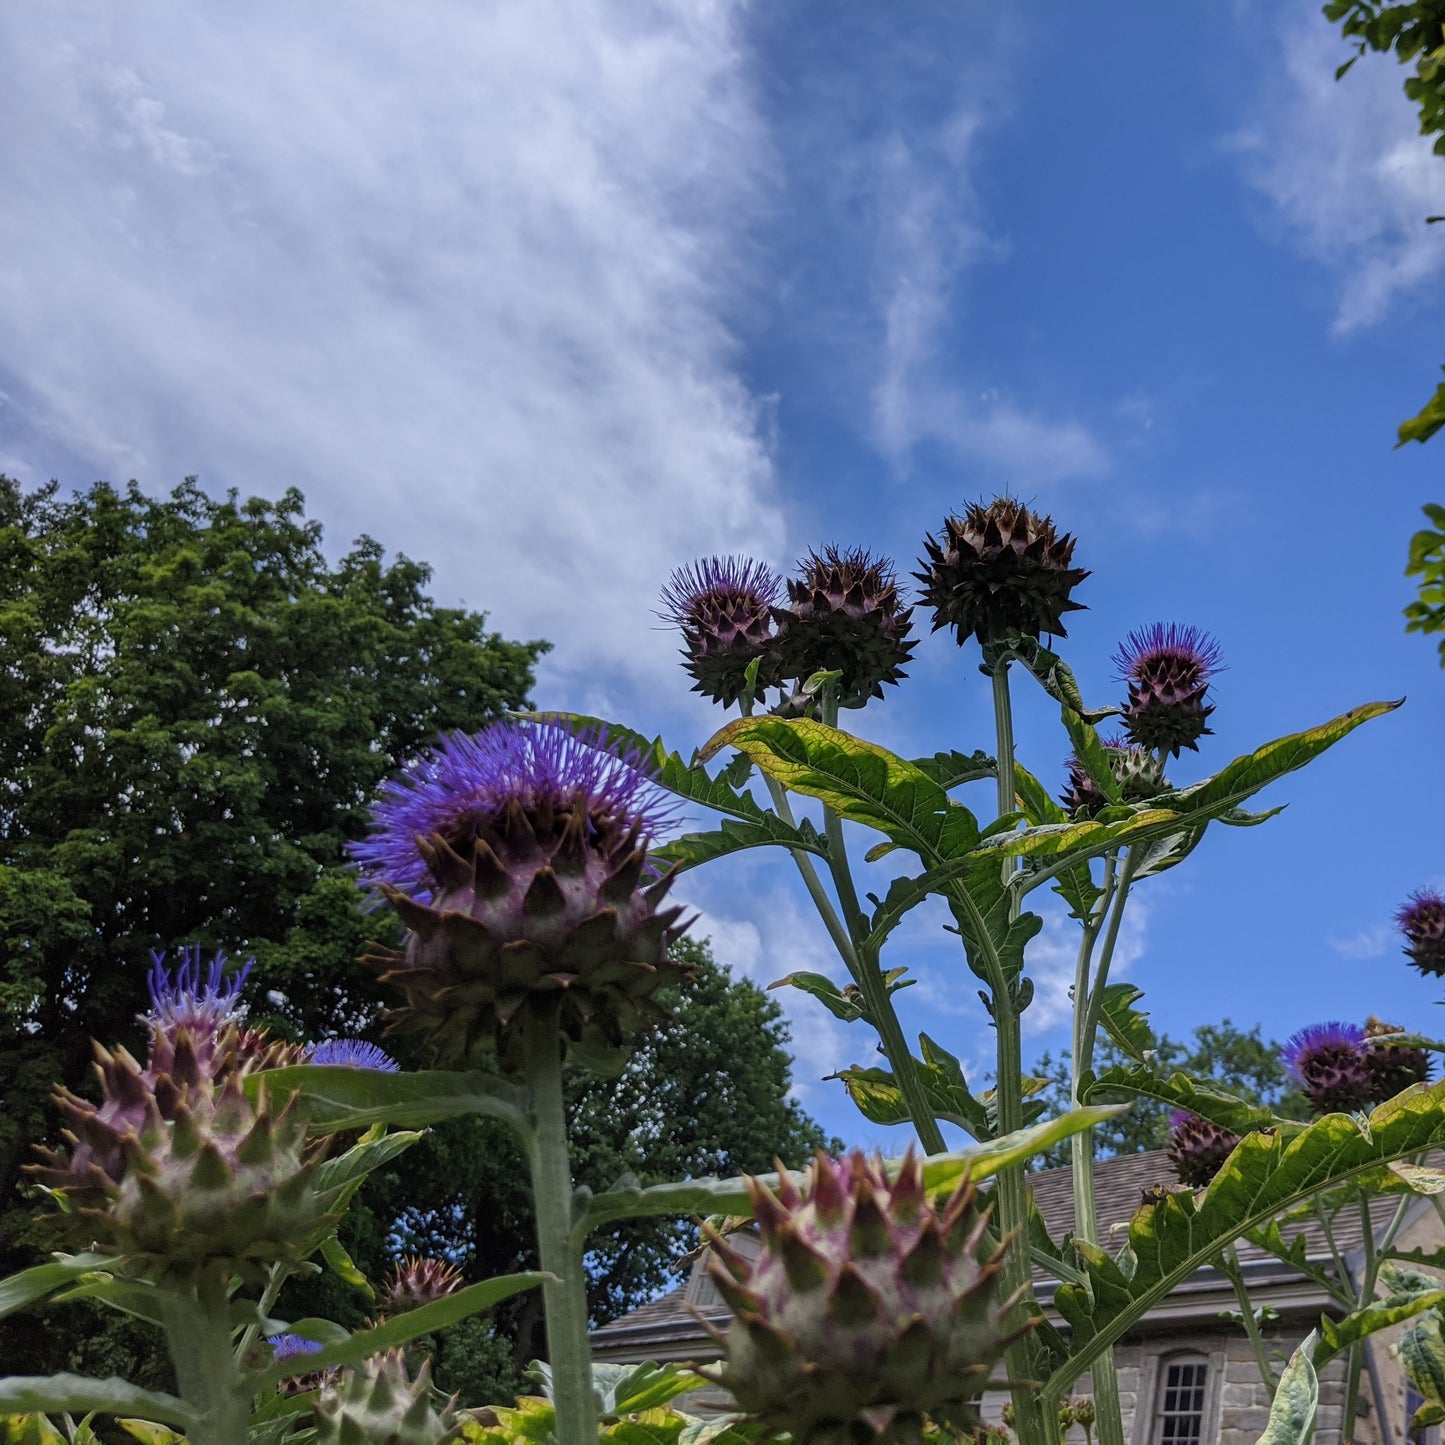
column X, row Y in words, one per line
column 866, row 1310
column 1167, row 669
column 845, row 614
column 723, row 608
column 1327, row 1062
column 527, row 849
column 377, row 1403
column 1138, row 772
column 999, row 569
column 1198, row 1147
column 416, row 1281
column 1422, row 921
column 179, row 1168
column 350, row 1054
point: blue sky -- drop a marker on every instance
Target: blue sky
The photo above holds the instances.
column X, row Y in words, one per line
column 558, row 296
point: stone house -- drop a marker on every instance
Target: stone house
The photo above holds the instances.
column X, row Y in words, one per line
column 1186, row 1376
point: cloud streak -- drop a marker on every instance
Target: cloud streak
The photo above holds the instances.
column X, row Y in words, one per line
column 468, row 286
column 1349, row 176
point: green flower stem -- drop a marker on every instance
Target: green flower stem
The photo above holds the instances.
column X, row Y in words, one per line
column 1036, row 1419
column 836, row 931
column 274, row 1280
column 1088, row 1000
column 1228, row 1264
column 197, row 1316
column 565, row 1297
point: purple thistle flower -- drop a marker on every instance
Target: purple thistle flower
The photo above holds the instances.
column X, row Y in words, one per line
column 351, row 1054
column 202, row 1002
column 464, row 786
column 288, row 1346
column 1328, row 1063
column 1167, row 668
column 723, row 608
column 518, row 859
column 1422, row 921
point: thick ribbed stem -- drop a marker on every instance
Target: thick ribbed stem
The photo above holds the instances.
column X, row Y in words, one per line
column 565, row 1299
column 1034, row 1419
column 198, row 1332
column 1088, row 1001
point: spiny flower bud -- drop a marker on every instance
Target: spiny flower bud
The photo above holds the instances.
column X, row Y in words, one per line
column 1198, row 1147
column 378, row 1404
column 1168, row 671
column 518, row 861
column 845, row 614
column 417, row 1281
column 1392, row 1067
column 1422, row 921
column 1327, row 1062
column 999, row 569
column 866, row 1310
column 286, row 1347
column 1138, row 772
column 722, row 606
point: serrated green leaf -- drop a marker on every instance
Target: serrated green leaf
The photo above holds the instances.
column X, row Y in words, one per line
column 878, row 1098
column 370, row 1153
column 1339, row 1335
column 860, row 781
column 1267, row 1174
column 941, row 1172
column 845, row 1003
column 79, row 1394
column 428, row 1319
column 337, row 1099
column 1296, row 1399
column 1422, row 1354
column 1126, row 1025
column 1179, row 1091
column 42, row 1280
column 953, row 769
column 148, row 1432
column 770, row 831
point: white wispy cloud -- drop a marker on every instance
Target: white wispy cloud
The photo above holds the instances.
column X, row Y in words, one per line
column 463, row 273
column 1349, row 176
column 1372, row 942
column 932, row 233
column 1052, row 956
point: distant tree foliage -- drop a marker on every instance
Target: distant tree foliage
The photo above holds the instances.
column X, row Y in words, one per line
column 1241, row 1062
column 195, row 708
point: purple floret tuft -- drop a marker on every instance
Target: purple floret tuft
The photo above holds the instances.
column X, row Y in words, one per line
column 1173, row 644
column 351, row 1054
column 204, row 1002
column 1310, row 1043
column 467, row 783
column 694, row 591
column 288, row 1346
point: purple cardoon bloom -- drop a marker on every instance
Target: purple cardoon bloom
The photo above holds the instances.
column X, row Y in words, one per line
column 1328, row 1063
column 518, row 859
column 204, row 1002
column 288, row 1346
column 1422, row 921
column 351, row 1054
column 723, row 608
column 1167, row 668
column 465, row 785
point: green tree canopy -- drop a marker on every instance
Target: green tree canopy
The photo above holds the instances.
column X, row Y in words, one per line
column 195, row 708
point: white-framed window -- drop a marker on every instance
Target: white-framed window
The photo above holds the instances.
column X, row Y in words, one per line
column 1181, row 1400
